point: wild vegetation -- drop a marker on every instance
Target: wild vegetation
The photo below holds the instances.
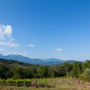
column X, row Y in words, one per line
column 17, row 70
column 48, row 84
column 13, row 73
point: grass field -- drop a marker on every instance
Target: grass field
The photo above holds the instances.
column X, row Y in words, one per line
column 29, row 88
column 56, row 84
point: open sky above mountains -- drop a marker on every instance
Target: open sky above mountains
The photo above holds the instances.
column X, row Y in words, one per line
column 45, row 28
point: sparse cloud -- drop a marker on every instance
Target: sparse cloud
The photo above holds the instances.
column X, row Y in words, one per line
column 6, row 32
column 31, row 45
column 14, row 45
column 6, row 38
column 17, row 53
column 11, row 53
column 59, row 50
column 23, row 53
column 10, row 44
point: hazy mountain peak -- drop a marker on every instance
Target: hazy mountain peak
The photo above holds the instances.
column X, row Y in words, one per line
column 50, row 61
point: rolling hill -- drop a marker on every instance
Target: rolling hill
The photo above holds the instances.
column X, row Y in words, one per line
column 24, row 59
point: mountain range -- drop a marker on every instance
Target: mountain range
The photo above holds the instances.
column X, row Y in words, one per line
column 36, row 61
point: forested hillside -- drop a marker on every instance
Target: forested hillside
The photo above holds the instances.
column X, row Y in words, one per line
column 18, row 70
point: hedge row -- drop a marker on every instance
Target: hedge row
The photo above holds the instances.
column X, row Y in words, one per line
column 24, row 82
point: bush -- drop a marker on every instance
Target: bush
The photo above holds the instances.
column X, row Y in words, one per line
column 35, row 83
column 19, row 82
column 24, row 82
column 10, row 82
column 2, row 82
column 43, row 83
column 28, row 82
column 87, row 74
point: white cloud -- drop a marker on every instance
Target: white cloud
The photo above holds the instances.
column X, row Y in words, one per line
column 17, row 53
column 6, row 32
column 23, row 53
column 31, row 45
column 11, row 53
column 59, row 50
column 13, row 45
column 6, row 36
column 10, row 44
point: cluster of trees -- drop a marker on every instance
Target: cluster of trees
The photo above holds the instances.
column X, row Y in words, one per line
column 74, row 70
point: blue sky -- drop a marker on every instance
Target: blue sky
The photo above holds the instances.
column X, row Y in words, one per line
column 45, row 28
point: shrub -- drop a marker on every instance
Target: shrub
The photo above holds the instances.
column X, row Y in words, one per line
column 43, row 83
column 10, row 82
column 19, row 82
column 24, row 82
column 2, row 82
column 35, row 83
column 28, row 82
column 87, row 74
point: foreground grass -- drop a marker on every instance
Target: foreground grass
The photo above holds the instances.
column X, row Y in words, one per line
column 29, row 88
column 56, row 84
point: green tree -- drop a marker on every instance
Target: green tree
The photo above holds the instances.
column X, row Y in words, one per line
column 42, row 71
column 87, row 74
column 76, row 69
column 67, row 68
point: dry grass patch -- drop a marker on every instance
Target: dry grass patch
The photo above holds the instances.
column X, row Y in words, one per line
column 54, row 84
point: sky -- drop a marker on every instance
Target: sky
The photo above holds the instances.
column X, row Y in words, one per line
column 45, row 28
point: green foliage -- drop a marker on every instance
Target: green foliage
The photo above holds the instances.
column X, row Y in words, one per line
column 10, row 82
column 86, row 74
column 8, row 70
column 20, row 82
column 24, row 82
column 43, row 71
column 28, row 82
column 4, row 72
column 67, row 68
column 35, row 81
column 87, row 64
column 43, row 83
column 76, row 69
column 2, row 82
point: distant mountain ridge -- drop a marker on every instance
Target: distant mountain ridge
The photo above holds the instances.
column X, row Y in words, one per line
column 24, row 59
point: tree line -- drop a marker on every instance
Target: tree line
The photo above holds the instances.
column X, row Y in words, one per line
column 15, row 72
